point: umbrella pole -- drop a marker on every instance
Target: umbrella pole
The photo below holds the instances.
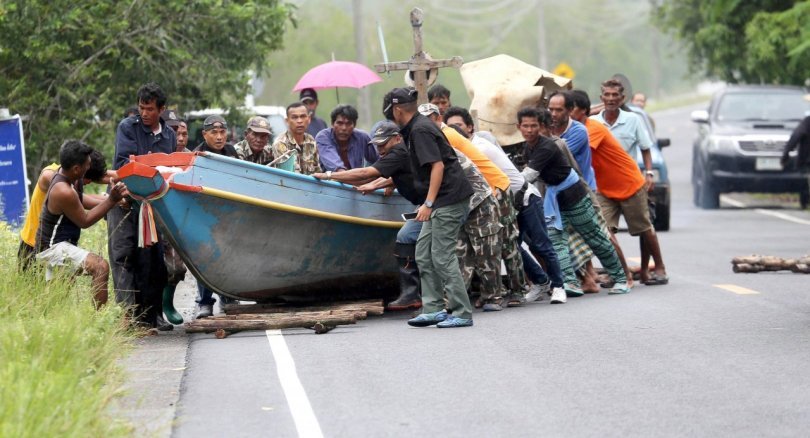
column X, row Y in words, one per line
column 337, row 95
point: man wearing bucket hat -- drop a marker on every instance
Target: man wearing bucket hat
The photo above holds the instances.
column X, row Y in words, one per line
column 256, row 145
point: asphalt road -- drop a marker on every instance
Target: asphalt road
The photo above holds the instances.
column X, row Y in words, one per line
column 711, row 354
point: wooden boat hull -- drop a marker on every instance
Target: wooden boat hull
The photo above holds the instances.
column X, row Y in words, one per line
column 257, row 233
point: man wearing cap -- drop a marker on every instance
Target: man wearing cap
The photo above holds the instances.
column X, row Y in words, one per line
column 180, row 129
column 255, row 147
column 309, row 98
column 393, row 168
column 438, row 175
column 499, row 183
column 297, row 138
column 139, row 274
column 215, row 135
column 342, row 147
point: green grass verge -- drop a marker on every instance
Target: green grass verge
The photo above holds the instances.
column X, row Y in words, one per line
column 57, row 353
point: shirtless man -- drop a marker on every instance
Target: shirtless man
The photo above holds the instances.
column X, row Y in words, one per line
column 66, row 212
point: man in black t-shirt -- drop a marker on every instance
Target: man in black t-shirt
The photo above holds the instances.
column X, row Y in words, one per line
column 437, row 175
column 392, row 169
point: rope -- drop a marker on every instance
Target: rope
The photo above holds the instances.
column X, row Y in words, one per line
column 147, row 230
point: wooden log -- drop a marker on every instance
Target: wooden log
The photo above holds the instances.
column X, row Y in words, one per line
column 372, row 307
column 211, row 325
column 321, row 328
column 745, row 268
column 356, row 314
column 752, row 259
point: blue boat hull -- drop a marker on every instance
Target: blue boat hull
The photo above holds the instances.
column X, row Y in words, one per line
column 255, row 233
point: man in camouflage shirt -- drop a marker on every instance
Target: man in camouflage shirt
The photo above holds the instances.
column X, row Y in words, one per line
column 479, row 242
column 254, row 147
column 297, row 138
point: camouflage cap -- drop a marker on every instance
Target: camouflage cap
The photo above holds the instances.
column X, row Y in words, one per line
column 258, row 124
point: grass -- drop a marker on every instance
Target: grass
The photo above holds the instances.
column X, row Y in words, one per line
column 57, row 353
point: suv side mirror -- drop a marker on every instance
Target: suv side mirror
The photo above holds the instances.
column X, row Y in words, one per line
column 663, row 142
column 700, row 116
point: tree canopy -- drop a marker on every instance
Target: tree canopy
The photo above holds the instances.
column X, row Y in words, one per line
column 72, row 68
column 743, row 41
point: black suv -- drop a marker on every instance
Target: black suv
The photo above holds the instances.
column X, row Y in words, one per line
column 740, row 141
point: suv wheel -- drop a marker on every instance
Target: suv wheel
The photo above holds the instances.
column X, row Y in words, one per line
column 661, row 222
column 704, row 195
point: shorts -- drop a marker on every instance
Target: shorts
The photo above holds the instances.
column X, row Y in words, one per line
column 635, row 211
column 63, row 255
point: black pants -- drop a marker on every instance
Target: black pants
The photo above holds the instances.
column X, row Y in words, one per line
column 25, row 256
column 139, row 274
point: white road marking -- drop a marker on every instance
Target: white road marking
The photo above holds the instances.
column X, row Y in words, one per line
column 739, row 290
column 776, row 214
column 783, row 216
column 304, row 417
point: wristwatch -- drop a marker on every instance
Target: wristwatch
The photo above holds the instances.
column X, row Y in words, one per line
column 650, row 172
column 328, row 175
column 429, row 204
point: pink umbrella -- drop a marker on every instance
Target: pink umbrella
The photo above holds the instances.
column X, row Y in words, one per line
column 336, row 74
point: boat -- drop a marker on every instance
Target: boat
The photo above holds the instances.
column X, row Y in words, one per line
column 259, row 233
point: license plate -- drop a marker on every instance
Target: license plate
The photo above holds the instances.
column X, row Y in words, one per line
column 768, row 163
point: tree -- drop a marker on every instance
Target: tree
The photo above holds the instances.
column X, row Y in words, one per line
column 74, row 67
column 751, row 41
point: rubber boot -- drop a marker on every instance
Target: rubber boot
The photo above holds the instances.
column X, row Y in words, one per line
column 410, row 286
column 172, row 315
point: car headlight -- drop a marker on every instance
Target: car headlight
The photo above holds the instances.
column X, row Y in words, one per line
column 722, row 143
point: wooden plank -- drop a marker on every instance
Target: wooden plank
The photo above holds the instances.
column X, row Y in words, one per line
column 212, row 325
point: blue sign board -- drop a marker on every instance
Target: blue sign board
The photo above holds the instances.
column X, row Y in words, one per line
column 13, row 178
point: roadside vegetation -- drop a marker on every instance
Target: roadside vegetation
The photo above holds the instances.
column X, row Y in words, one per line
column 57, row 353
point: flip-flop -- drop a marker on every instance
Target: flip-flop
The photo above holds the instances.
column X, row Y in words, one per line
column 656, row 280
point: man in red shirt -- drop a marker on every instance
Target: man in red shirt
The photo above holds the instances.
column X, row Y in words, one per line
column 622, row 190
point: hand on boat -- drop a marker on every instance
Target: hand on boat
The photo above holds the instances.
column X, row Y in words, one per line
column 365, row 188
column 118, row 191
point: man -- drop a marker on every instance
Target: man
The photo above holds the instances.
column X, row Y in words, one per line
column 175, row 269
column 438, row 175
column 139, row 274
column 499, row 183
column 309, row 98
column 180, row 129
column 215, row 133
column 639, row 100
column 575, row 135
column 342, row 147
column 65, row 213
column 393, row 168
column 297, row 138
column 800, row 140
column 566, row 202
column 255, row 147
column 439, row 95
column 530, row 216
column 626, row 127
column 97, row 173
column 617, row 177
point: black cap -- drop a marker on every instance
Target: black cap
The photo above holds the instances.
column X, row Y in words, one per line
column 382, row 131
column 403, row 95
column 212, row 122
column 307, row 94
column 170, row 117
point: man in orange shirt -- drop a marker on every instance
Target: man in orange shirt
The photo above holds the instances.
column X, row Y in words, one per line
column 622, row 188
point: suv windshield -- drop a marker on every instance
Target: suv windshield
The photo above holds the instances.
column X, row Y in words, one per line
column 758, row 106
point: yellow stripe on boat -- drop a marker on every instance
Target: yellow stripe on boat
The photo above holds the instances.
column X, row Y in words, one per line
column 299, row 210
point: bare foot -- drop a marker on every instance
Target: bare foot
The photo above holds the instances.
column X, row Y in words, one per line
column 589, row 286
